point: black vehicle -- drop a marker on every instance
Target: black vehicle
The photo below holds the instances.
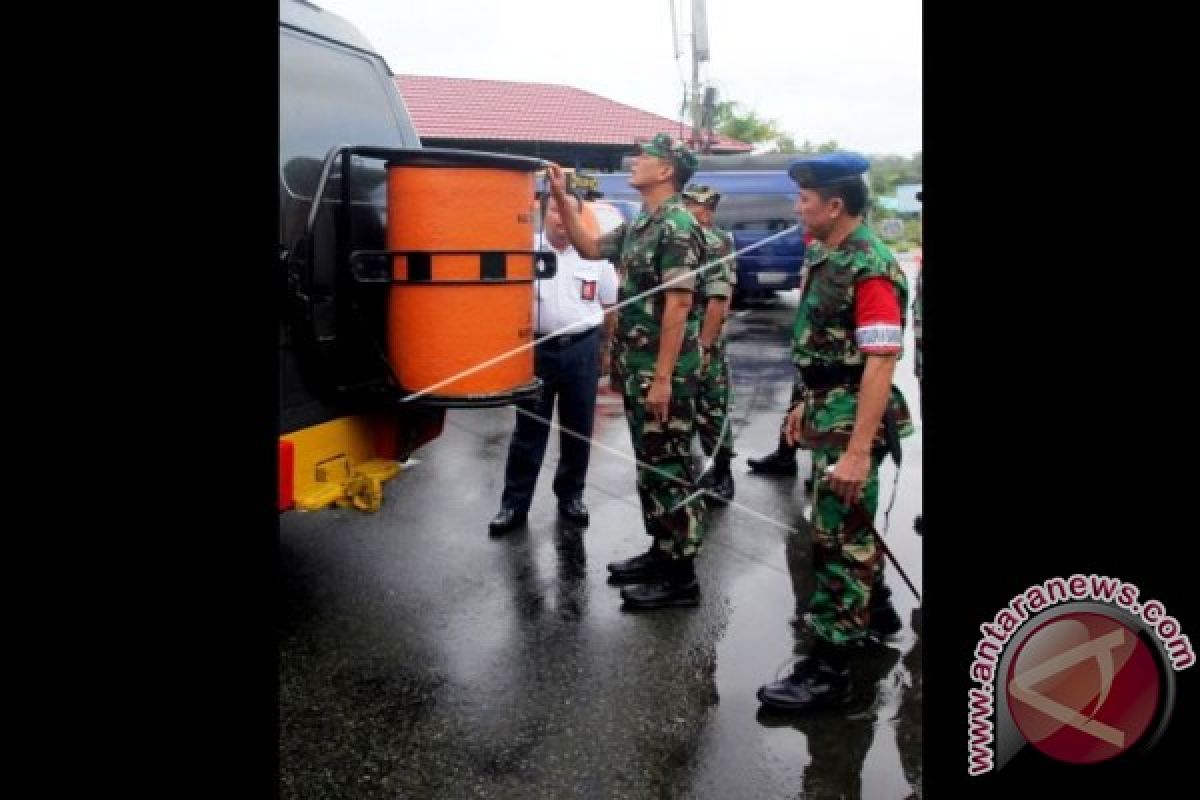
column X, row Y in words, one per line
column 757, row 202
column 362, row 315
column 334, row 89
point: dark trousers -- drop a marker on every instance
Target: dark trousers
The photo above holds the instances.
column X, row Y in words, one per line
column 569, row 373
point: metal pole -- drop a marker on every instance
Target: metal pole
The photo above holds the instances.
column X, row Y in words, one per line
column 695, row 91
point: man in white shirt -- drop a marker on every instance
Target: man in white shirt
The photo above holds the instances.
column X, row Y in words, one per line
column 571, row 306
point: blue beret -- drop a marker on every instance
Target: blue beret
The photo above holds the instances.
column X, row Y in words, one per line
column 813, row 172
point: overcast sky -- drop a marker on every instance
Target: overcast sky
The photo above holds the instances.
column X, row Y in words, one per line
column 848, row 70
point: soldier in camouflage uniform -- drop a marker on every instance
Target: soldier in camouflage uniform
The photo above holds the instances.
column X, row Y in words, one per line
column 782, row 461
column 847, row 338
column 719, row 276
column 917, row 329
column 656, row 364
column 918, row 526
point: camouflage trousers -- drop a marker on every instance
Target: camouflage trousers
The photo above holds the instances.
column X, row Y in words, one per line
column 917, row 326
column 674, row 514
column 797, row 397
column 713, row 404
column 846, row 557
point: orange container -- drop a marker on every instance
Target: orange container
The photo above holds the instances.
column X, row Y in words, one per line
column 455, row 320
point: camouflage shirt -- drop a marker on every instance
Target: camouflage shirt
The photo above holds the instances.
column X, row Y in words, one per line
column 917, row 321
column 824, row 331
column 648, row 252
column 824, row 327
column 718, row 281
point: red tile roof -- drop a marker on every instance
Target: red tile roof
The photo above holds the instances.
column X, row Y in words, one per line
column 463, row 108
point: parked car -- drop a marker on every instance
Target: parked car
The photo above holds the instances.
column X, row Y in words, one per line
column 755, row 204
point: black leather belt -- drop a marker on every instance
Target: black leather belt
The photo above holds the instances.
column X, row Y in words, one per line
column 827, row 376
column 567, row 339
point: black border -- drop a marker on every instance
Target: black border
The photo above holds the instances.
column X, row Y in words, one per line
column 179, row 403
column 1053, row 378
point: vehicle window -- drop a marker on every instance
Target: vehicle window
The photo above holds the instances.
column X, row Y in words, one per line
column 330, row 94
column 765, row 212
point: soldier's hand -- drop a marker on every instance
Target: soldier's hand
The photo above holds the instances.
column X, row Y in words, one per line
column 658, row 399
column 850, row 476
column 557, row 180
column 793, row 426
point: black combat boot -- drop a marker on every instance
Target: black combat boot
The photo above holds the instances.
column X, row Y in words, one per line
column 819, row 680
column 649, row 566
column 883, row 621
column 781, row 462
column 723, row 482
column 677, row 587
column 717, row 481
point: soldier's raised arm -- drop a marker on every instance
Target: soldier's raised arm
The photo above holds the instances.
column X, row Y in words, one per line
column 584, row 242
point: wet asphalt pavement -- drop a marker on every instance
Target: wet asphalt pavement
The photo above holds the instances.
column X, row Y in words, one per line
column 421, row 658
